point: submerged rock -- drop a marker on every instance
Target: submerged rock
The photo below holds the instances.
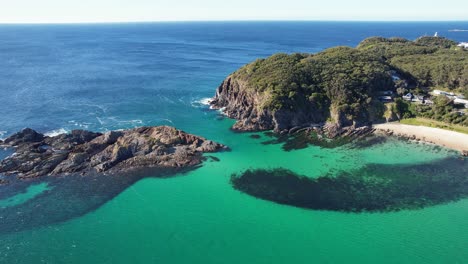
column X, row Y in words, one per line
column 372, row 188
column 302, row 138
column 87, row 152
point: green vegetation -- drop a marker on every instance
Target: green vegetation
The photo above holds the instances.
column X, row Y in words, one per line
column 341, row 78
column 442, row 110
column 428, row 61
column 343, row 83
column 419, row 121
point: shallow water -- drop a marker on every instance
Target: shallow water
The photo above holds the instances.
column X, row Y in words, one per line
column 31, row 192
column 120, row 76
column 199, row 217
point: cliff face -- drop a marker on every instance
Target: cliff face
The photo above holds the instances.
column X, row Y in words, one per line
column 242, row 104
column 86, row 152
column 247, row 106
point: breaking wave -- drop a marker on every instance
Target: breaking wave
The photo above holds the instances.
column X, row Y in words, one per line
column 204, row 102
column 2, row 134
column 56, row 132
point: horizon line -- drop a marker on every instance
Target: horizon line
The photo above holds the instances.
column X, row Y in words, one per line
column 229, row 21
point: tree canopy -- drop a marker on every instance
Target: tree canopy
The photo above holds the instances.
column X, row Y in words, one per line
column 348, row 80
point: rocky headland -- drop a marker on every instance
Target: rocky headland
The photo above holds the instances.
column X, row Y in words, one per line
column 339, row 88
column 337, row 92
column 237, row 101
column 84, row 152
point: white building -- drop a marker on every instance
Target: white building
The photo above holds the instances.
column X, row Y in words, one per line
column 439, row 92
column 457, row 99
column 461, row 101
column 464, row 45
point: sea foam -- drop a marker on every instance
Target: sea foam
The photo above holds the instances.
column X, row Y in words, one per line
column 56, row 132
column 2, row 134
column 204, row 102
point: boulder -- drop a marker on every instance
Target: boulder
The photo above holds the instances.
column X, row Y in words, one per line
column 26, row 135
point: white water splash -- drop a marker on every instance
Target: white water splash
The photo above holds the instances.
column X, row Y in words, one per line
column 204, row 102
column 222, row 110
column 100, row 120
column 2, row 134
column 56, row 132
column 84, row 125
column 167, row 120
column 135, row 122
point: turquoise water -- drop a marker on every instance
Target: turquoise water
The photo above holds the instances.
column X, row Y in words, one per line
column 199, row 218
column 59, row 78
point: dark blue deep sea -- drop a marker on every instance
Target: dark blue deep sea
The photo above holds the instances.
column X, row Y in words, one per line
column 57, row 78
column 112, row 76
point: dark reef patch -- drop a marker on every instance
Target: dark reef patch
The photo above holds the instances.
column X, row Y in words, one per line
column 255, row 136
column 368, row 142
column 213, row 158
column 374, row 188
column 68, row 197
column 304, row 139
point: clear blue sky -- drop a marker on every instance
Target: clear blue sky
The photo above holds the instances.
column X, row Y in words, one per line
column 60, row 11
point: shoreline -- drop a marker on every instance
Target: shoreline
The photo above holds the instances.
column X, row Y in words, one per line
column 445, row 138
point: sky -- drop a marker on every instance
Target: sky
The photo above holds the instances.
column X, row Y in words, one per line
column 91, row 11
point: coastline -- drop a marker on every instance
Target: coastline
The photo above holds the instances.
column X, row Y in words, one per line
column 446, row 138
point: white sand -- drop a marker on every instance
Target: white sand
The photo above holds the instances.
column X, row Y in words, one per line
column 446, row 138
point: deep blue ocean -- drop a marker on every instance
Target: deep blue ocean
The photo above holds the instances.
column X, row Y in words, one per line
column 57, row 78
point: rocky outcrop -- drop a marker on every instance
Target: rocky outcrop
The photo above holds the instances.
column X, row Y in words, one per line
column 235, row 99
column 87, row 152
column 237, row 102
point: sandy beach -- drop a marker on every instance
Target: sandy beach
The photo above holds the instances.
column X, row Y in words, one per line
column 442, row 137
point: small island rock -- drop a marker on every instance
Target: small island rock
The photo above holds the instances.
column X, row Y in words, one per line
column 87, row 152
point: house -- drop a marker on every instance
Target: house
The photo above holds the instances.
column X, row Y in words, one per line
column 408, row 97
column 461, row 101
column 463, row 44
column 447, row 94
column 418, row 98
column 439, row 92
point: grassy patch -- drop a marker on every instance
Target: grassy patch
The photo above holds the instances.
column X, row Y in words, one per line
column 419, row 121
